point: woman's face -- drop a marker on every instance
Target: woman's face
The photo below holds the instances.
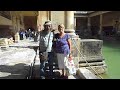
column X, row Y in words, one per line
column 61, row 28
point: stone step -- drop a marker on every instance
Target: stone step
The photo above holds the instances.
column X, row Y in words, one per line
column 73, row 77
column 84, row 73
column 91, row 64
column 90, row 60
column 99, row 69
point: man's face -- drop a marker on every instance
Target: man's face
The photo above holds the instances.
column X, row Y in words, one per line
column 47, row 27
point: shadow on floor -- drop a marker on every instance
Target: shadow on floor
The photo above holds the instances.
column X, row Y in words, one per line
column 18, row 71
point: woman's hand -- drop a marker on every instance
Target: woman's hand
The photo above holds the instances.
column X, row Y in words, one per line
column 70, row 57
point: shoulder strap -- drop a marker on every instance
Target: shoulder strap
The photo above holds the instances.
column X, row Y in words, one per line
column 48, row 39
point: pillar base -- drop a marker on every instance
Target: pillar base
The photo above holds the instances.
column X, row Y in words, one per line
column 71, row 32
column 17, row 38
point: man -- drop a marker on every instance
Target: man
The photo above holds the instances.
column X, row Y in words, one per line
column 45, row 48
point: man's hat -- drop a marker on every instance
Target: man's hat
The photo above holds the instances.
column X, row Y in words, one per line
column 48, row 23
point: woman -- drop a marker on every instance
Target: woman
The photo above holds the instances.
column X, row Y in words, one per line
column 63, row 48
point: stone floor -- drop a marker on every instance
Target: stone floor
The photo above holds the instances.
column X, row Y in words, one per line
column 15, row 63
column 17, row 59
column 56, row 72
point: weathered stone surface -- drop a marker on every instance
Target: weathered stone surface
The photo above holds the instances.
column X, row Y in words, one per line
column 73, row 77
column 99, row 69
column 17, row 71
column 25, row 43
column 91, row 64
column 84, row 73
column 91, row 49
column 17, row 55
column 4, row 74
column 75, row 50
column 17, row 37
column 91, row 52
column 6, row 41
column 15, row 63
column 3, row 41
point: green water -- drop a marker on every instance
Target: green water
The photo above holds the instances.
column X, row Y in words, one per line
column 111, row 53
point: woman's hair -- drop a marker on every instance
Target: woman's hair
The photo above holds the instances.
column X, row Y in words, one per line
column 61, row 25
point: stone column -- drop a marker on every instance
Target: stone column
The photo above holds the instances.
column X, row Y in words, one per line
column 100, row 31
column 69, row 22
column 74, row 23
column 49, row 12
column 39, row 21
column 75, row 40
column 13, row 23
column 89, row 27
column 17, row 37
column 100, row 23
column 88, row 24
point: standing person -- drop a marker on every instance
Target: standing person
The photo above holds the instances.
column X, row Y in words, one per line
column 37, row 33
column 45, row 47
column 62, row 47
column 26, row 34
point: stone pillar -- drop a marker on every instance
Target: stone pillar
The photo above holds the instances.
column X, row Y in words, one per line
column 69, row 22
column 88, row 24
column 74, row 23
column 75, row 40
column 18, row 23
column 13, row 23
column 49, row 15
column 89, row 27
column 100, row 31
column 38, row 19
column 100, row 23
column 17, row 37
